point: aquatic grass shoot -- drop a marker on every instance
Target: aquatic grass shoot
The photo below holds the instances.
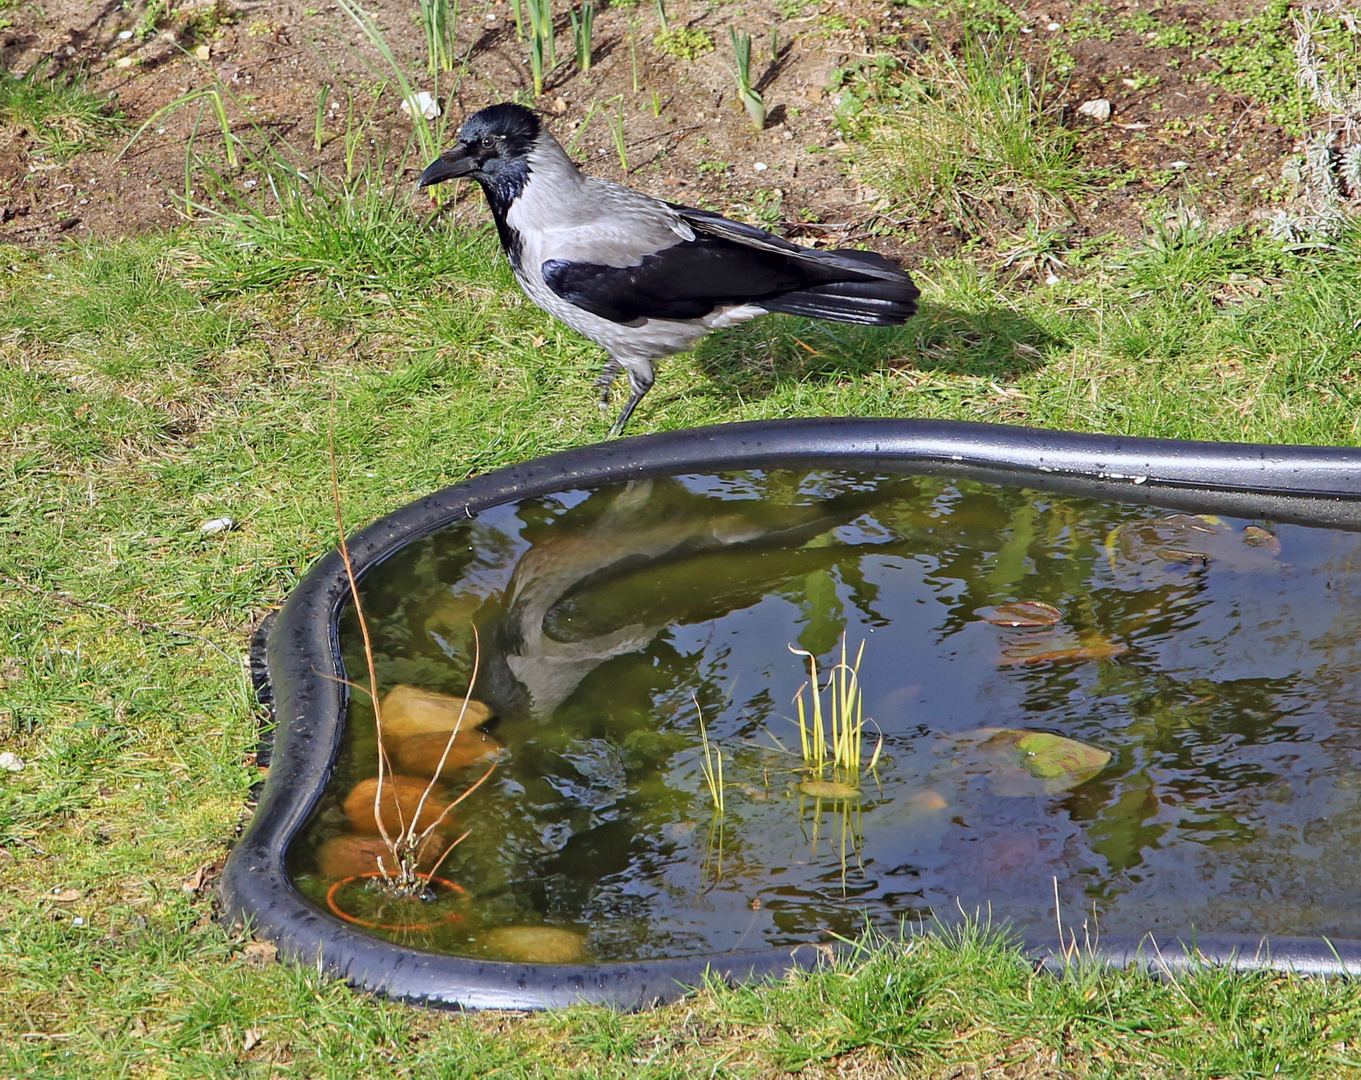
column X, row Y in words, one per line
column 751, row 99
column 712, row 766
column 834, row 735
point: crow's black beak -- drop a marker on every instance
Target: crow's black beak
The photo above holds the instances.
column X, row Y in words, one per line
column 452, row 163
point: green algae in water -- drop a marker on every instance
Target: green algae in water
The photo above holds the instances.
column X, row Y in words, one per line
column 1191, row 717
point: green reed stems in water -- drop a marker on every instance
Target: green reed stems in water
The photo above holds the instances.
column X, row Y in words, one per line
column 583, row 26
column 712, row 767
column 835, row 734
column 751, row 99
column 440, row 20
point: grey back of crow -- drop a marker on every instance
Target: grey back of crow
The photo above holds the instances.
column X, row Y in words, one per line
column 641, row 277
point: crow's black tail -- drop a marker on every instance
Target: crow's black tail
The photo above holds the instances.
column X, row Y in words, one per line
column 882, row 294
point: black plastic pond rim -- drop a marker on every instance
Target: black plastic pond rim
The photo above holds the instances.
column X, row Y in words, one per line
column 1309, row 485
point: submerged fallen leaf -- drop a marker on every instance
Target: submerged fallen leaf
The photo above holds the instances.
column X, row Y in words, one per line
column 1256, row 536
column 1052, row 756
column 828, row 789
column 1025, row 613
column 1034, row 651
column 1024, row 763
column 1195, row 540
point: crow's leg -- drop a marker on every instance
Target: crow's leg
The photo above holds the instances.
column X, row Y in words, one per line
column 640, row 382
column 608, row 374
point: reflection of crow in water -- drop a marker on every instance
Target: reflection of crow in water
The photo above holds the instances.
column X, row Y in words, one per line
column 548, row 639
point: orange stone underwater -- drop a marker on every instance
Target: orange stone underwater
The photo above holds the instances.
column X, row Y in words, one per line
column 420, row 755
column 408, row 710
column 401, row 796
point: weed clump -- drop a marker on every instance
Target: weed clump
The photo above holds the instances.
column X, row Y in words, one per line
column 59, row 113
column 970, row 136
column 683, row 44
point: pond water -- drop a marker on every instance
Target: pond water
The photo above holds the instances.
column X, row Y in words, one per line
column 1208, row 668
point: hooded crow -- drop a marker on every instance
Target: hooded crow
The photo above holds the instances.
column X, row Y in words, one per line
column 641, row 277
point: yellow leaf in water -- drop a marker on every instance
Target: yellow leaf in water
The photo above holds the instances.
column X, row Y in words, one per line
column 1025, row 613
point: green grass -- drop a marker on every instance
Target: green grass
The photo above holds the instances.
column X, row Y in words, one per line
column 968, row 135
column 58, row 111
column 148, row 385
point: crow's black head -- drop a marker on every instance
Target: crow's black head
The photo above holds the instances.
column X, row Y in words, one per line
column 491, row 148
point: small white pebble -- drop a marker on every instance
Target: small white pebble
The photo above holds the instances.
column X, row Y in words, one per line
column 1027, row 29
column 124, row 35
column 123, row 62
column 11, row 762
column 213, row 526
column 761, row 166
column 78, row 921
column 1053, row 26
column 1178, row 164
column 160, row 131
column 1052, row 279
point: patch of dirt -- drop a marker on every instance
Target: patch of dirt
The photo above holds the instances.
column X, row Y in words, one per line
column 686, row 136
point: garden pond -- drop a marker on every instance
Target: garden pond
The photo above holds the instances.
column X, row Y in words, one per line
column 1152, row 716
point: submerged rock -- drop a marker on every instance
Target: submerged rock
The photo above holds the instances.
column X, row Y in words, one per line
column 409, row 710
column 536, row 944
column 828, row 789
column 401, row 796
column 420, row 754
column 351, row 854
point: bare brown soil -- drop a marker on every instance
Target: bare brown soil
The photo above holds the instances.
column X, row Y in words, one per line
column 687, row 138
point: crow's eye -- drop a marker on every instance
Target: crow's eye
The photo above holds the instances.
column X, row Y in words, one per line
column 488, row 143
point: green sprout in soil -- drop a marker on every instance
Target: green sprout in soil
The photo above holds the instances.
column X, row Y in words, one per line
column 617, row 130
column 542, row 54
column 751, row 98
column 583, row 26
column 440, row 20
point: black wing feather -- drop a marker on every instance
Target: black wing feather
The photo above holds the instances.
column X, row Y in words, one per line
column 731, row 263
